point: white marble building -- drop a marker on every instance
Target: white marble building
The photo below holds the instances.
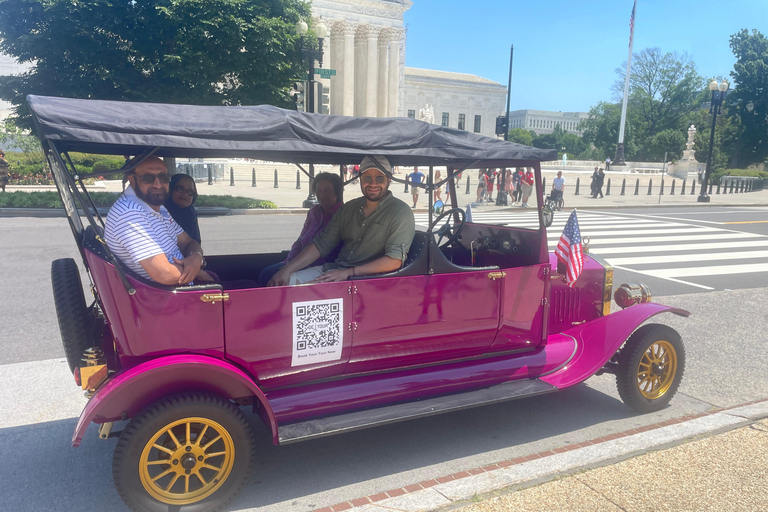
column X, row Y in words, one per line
column 366, row 47
column 459, row 100
column 544, row 121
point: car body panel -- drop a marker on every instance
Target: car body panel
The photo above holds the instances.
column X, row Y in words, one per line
column 125, row 394
column 599, row 339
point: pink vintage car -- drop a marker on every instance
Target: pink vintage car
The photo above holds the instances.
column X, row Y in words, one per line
column 479, row 313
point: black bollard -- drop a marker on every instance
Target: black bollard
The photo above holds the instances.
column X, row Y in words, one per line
column 710, row 188
column 253, row 178
column 210, row 175
column 731, row 187
column 742, row 185
column 650, row 186
column 406, row 184
column 718, row 187
column 672, row 192
column 231, row 177
column 637, row 187
column 467, row 192
column 608, row 188
column 298, row 180
column 682, row 189
column 623, row 186
column 693, row 187
column 661, row 190
column 577, row 186
column 544, row 184
column 276, row 178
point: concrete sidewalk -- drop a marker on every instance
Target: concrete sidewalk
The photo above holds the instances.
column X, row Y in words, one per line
column 709, row 462
column 289, row 199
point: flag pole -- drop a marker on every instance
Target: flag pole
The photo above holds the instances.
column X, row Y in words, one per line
column 619, row 157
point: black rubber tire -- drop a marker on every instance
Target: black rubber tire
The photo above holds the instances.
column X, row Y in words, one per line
column 142, row 428
column 75, row 321
column 630, row 358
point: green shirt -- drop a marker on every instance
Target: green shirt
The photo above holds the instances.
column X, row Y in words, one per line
column 388, row 231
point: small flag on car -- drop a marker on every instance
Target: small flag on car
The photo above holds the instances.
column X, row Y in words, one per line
column 569, row 250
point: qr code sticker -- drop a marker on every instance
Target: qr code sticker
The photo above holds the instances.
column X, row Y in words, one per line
column 318, row 335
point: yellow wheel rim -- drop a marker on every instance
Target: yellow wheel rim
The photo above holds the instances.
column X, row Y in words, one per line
column 657, row 369
column 186, row 461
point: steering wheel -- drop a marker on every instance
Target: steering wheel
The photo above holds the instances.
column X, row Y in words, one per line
column 446, row 228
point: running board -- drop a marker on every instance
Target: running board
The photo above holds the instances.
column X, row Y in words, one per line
column 357, row 420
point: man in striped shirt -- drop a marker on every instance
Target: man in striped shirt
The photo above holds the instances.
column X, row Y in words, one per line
column 141, row 233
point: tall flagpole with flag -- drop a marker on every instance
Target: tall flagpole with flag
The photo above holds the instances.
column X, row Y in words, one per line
column 619, row 159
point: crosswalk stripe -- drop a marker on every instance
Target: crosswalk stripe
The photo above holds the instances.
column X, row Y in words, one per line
column 683, row 247
column 676, row 238
column 679, row 258
column 718, row 270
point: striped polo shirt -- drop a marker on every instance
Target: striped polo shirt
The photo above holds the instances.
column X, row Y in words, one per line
column 135, row 232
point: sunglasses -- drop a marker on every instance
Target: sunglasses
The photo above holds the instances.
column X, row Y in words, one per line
column 150, row 178
column 367, row 178
column 182, row 188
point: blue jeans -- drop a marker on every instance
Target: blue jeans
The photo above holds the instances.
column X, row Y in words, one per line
column 268, row 272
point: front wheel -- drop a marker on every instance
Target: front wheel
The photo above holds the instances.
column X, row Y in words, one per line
column 651, row 367
column 190, row 453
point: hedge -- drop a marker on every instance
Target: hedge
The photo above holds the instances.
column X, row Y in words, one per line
column 21, row 199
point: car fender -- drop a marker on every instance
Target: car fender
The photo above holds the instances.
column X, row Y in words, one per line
column 597, row 341
column 124, row 395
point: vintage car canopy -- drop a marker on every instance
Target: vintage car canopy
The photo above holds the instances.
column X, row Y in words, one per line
column 264, row 132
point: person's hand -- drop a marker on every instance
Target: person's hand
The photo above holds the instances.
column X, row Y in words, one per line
column 204, row 277
column 333, row 276
column 190, row 267
column 281, row 278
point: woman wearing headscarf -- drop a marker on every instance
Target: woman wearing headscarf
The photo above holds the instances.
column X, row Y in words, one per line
column 181, row 204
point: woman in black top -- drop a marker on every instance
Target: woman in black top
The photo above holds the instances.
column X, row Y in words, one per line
column 181, row 204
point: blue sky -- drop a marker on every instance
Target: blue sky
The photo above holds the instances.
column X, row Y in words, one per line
column 566, row 51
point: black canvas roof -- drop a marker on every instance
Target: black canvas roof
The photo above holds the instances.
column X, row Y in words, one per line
column 263, row 132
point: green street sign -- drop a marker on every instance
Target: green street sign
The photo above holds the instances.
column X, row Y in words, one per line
column 325, row 73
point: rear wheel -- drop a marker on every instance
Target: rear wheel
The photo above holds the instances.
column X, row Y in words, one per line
column 75, row 320
column 190, row 453
column 651, row 367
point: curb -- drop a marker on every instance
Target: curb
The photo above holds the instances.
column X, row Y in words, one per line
column 458, row 488
column 213, row 211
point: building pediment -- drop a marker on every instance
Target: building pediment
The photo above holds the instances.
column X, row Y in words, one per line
column 360, row 9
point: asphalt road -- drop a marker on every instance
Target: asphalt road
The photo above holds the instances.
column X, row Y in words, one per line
column 726, row 360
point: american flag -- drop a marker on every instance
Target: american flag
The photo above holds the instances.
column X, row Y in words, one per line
column 569, row 250
column 632, row 24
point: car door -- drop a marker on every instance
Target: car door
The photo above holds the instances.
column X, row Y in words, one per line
column 416, row 320
column 289, row 334
column 523, row 308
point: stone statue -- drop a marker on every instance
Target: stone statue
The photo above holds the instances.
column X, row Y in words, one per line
column 687, row 163
column 427, row 114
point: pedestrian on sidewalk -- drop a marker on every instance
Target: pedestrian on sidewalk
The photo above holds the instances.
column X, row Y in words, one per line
column 558, row 186
column 343, row 170
column 527, row 186
column 491, row 179
column 599, row 179
column 415, row 177
column 517, row 183
column 481, row 183
column 438, row 188
column 5, row 174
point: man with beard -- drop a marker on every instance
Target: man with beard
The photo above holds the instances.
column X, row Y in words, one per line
column 377, row 230
column 141, row 233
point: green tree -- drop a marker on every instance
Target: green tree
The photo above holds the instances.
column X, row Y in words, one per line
column 212, row 52
column 671, row 142
column 601, row 133
column 750, row 77
column 522, row 136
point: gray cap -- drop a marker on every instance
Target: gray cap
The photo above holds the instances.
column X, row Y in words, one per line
column 379, row 163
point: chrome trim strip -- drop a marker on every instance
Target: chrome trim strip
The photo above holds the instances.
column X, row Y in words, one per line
column 575, row 347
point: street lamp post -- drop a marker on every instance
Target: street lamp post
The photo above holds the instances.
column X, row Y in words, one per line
column 719, row 92
column 311, row 90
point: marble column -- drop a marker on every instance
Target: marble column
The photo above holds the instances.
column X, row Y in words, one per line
column 348, row 77
column 372, row 75
column 381, row 109
column 337, row 63
column 361, row 69
column 393, row 97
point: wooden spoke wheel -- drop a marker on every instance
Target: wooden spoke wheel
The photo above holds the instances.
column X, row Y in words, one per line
column 190, row 452
column 651, row 367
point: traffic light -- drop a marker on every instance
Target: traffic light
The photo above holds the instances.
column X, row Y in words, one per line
column 501, row 125
column 324, row 99
column 299, row 95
